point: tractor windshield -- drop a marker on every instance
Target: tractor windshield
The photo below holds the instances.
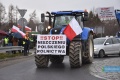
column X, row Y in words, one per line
column 61, row 21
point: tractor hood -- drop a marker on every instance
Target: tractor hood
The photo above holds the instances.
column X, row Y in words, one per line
column 57, row 30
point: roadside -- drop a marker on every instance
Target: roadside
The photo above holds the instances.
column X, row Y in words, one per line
column 14, row 60
column 31, row 51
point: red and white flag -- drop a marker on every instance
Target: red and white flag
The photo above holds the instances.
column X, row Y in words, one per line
column 19, row 26
column 15, row 29
column 27, row 28
column 22, row 33
column 72, row 29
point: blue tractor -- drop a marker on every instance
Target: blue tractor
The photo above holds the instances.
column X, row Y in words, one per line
column 117, row 13
column 80, row 50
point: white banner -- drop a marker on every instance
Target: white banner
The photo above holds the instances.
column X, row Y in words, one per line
column 106, row 12
column 51, row 45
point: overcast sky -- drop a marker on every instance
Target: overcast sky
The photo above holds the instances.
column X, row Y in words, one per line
column 54, row 5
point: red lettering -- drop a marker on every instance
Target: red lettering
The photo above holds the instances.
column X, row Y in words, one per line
column 45, row 37
column 41, row 37
column 57, row 37
column 61, row 37
column 48, row 37
column 104, row 8
column 53, row 37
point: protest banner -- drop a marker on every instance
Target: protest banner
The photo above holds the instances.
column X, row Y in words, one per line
column 51, row 44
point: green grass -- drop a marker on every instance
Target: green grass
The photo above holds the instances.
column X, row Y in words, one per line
column 9, row 55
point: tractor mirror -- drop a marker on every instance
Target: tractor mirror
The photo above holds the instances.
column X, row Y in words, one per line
column 85, row 16
column 42, row 17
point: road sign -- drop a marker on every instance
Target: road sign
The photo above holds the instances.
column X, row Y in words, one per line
column 22, row 22
column 22, row 12
column 106, row 12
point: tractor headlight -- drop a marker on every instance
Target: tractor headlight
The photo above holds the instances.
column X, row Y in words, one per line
column 49, row 27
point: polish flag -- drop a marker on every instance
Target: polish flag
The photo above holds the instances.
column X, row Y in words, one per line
column 19, row 26
column 72, row 29
column 22, row 33
column 27, row 28
column 15, row 29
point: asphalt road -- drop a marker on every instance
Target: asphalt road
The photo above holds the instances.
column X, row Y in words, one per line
column 25, row 69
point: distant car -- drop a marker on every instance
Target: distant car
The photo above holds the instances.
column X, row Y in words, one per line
column 106, row 46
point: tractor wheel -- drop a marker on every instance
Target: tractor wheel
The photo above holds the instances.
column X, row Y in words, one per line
column 41, row 61
column 75, row 54
column 89, row 50
column 56, row 59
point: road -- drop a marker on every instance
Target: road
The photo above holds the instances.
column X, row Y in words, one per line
column 25, row 69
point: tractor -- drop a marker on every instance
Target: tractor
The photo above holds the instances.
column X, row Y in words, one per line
column 117, row 14
column 80, row 49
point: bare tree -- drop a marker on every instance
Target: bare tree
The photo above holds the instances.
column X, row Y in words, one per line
column 32, row 25
column 16, row 14
column 33, row 20
column 33, row 15
column 2, row 14
column 11, row 15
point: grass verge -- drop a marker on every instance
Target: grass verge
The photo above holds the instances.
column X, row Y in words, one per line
column 10, row 55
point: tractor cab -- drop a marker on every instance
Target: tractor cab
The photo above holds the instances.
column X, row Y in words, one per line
column 60, row 19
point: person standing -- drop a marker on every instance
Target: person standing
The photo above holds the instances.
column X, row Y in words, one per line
column 15, row 43
column 26, row 43
column 20, row 44
column 10, row 43
column 6, row 39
